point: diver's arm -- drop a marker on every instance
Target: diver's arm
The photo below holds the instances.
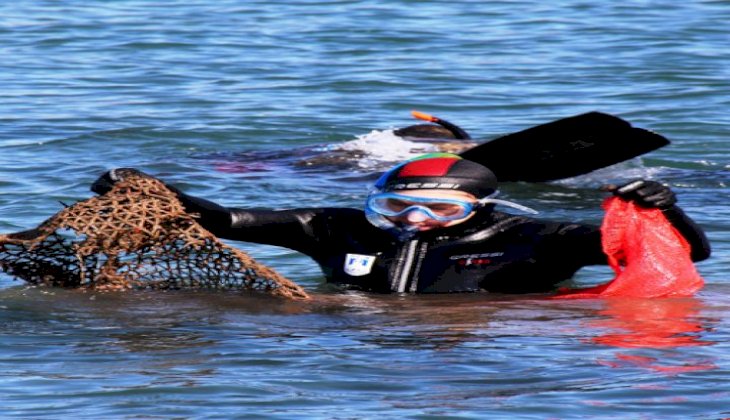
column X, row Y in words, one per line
column 300, row 229
column 652, row 194
column 212, row 216
column 583, row 242
column 690, row 231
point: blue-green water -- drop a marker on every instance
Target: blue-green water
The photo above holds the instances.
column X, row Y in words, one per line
column 220, row 97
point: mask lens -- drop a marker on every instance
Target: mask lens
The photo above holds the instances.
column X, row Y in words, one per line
column 389, row 204
column 446, row 209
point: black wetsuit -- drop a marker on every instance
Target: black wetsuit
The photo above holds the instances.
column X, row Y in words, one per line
column 492, row 251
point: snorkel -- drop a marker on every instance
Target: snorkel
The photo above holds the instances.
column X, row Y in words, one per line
column 491, row 200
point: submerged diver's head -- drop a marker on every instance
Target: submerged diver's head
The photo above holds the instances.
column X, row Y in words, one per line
column 427, row 131
column 431, row 191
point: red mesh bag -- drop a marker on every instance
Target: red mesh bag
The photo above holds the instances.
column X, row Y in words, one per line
column 650, row 258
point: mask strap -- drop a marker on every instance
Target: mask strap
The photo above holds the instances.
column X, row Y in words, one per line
column 489, row 200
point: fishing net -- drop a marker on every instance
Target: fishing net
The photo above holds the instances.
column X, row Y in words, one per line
column 650, row 258
column 137, row 235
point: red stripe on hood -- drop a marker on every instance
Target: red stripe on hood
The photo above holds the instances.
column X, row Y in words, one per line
column 427, row 167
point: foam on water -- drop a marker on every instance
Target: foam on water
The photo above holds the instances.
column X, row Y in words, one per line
column 380, row 148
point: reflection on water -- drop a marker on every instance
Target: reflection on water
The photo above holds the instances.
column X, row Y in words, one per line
column 156, row 321
column 666, row 323
column 624, row 360
column 403, row 352
column 653, row 323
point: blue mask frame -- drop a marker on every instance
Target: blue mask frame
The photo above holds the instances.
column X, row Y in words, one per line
column 373, row 208
column 377, row 204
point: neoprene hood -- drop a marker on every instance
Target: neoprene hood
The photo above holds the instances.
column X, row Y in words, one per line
column 439, row 171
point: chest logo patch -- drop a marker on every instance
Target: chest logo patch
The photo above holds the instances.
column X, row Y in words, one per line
column 358, row 264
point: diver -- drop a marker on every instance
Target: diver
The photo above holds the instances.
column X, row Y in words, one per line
column 430, row 226
column 444, row 135
column 439, row 135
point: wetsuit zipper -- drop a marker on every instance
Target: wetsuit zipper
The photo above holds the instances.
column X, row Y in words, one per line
column 405, row 267
column 417, row 270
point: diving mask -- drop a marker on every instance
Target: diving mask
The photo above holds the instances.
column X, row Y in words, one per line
column 441, row 209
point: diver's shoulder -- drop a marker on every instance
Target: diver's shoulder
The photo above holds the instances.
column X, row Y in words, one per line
column 532, row 223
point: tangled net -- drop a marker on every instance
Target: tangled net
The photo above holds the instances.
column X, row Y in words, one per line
column 137, row 235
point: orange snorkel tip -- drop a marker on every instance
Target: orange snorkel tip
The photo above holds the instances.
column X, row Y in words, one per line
column 423, row 116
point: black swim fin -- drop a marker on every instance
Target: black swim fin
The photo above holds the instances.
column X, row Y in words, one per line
column 564, row 148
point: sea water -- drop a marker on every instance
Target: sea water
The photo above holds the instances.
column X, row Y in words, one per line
column 229, row 100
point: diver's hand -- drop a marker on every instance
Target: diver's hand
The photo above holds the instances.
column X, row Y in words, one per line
column 106, row 181
column 647, row 194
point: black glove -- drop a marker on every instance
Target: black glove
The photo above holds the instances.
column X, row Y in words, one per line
column 647, row 194
column 107, row 180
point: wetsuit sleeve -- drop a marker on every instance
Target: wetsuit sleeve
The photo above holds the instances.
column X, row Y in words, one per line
column 575, row 245
column 691, row 231
column 302, row 230
column 582, row 243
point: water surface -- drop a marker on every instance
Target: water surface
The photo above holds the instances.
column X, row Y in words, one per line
column 224, row 98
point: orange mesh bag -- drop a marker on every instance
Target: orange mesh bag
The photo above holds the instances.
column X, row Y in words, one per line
column 650, row 258
column 135, row 236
